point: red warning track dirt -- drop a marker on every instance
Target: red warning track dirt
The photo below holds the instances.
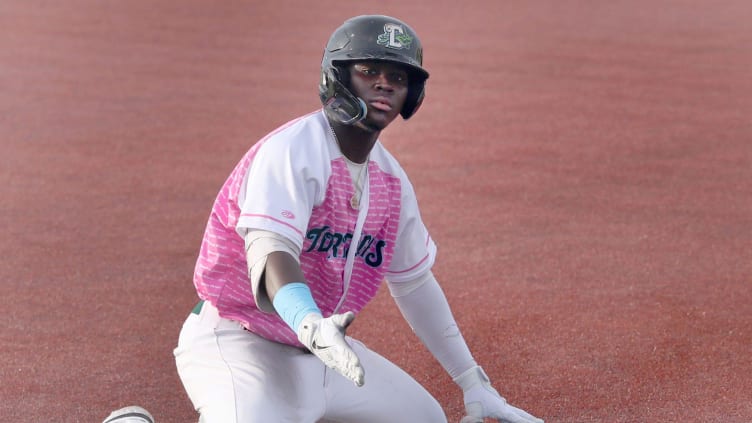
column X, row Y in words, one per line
column 585, row 168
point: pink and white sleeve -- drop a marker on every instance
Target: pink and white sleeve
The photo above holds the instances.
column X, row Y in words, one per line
column 279, row 192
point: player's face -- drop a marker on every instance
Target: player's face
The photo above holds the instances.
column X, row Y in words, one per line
column 383, row 87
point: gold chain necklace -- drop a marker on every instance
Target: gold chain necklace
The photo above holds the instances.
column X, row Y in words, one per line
column 355, row 200
column 357, row 182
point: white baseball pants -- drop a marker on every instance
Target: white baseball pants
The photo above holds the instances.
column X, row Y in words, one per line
column 234, row 376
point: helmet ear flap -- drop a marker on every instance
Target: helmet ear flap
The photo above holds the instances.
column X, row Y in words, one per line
column 415, row 94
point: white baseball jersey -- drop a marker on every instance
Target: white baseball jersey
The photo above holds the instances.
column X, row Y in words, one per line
column 295, row 182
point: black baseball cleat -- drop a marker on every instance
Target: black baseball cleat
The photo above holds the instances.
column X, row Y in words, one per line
column 131, row 414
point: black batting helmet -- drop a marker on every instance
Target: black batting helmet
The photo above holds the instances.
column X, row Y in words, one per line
column 369, row 37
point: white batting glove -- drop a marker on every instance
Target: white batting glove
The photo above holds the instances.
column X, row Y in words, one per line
column 482, row 400
column 325, row 338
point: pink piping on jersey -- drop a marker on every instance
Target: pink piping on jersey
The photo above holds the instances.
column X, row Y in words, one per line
column 428, row 239
column 265, row 216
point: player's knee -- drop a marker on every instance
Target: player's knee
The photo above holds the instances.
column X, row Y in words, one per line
column 432, row 412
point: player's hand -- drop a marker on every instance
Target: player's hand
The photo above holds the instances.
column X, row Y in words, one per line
column 482, row 400
column 325, row 338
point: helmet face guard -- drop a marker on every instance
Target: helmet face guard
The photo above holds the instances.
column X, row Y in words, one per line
column 369, row 37
column 340, row 104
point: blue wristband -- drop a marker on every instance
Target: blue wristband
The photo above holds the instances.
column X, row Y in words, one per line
column 293, row 302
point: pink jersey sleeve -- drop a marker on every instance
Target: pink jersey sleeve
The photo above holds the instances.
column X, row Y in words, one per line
column 283, row 187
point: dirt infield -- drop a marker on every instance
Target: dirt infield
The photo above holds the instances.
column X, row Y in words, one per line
column 585, row 168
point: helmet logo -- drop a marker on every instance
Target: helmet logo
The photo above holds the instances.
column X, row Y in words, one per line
column 395, row 37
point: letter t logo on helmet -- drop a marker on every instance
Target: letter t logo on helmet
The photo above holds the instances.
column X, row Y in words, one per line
column 369, row 37
column 394, row 37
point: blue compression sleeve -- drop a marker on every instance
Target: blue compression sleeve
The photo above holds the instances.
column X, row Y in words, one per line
column 293, row 302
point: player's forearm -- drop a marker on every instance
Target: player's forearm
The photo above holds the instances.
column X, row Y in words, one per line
column 260, row 246
column 281, row 269
column 427, row 311
column 277, row 280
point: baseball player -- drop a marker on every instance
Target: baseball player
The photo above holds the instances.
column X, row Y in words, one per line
column 309, row 223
